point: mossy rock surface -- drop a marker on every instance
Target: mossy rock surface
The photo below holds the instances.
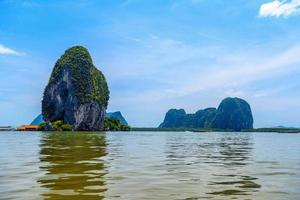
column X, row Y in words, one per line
column 232, row 114
column 77, row 92
column 89, row 82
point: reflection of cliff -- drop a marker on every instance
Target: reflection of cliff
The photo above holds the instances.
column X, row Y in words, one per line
column 234, row 154
column 233, row 150
column 73, row 166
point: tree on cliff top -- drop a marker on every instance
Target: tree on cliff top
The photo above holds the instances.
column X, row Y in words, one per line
column 77, row 92
column 89, row 82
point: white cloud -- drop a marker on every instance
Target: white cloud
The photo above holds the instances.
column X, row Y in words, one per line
column 8, row 51
column 232, row 78
column 251, row 69
column 279, row 8
column 183, row 69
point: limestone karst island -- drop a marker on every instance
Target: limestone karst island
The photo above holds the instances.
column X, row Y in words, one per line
column 149, row 100
column 77, row 92
column 232, row 114
column 76, row 96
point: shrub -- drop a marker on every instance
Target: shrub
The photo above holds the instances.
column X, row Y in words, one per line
column 60, row 126
column 66, row 127
column 89, row 82
column 114, row 124
column 42, row 126
column 57, row 125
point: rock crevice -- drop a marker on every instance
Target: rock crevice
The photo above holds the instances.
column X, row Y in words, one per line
column 77, row 92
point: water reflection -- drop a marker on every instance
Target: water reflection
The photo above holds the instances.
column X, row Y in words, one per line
column 225, row 158
column 73, row 166
column 233, row 152
column 149, row 165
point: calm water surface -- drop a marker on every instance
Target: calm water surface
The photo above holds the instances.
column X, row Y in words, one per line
column 149, row 165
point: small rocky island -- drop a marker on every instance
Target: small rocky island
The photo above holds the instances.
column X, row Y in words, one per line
column 117, row 115
column 77, row 93
column 232, row 114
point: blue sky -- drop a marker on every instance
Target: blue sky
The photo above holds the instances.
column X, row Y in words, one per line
column 157, row 54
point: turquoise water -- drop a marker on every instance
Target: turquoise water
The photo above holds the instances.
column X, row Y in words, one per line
column 149, row 165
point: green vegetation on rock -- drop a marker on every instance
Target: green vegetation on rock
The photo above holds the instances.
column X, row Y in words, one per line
column 178, row 118
column 77, row 92
column 114, row 124
column 174, row 119
column 42, row 126
column 232, row 114
column 56, row 126
column 60, row 126
column 118, row 115
column 89, row 83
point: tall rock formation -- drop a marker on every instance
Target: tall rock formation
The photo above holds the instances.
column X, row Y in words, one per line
column 174, row 119
column 77, row 92
column 234, row 114
column 178, row 118
column 204, row 118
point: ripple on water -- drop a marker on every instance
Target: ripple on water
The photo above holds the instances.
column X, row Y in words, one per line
column 149, row 165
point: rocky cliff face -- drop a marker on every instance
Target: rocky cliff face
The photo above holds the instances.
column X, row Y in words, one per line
column 232, row 113
column 178, row 118
column 77, row 92
column 174, row 119
column 204, row 118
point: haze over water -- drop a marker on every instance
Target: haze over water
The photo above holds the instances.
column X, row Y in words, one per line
column 149, row 165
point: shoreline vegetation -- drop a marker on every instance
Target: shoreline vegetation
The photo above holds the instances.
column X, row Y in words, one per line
column 273, row 130
column 114, row 125
column 110, row 124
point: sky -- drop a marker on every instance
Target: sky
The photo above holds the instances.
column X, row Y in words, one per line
column 157, row 55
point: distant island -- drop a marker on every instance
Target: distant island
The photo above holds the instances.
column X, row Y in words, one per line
column 38, row 120
column 232, row 114
column 117, row 115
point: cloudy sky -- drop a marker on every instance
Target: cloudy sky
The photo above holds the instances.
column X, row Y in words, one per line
column 157, row 54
